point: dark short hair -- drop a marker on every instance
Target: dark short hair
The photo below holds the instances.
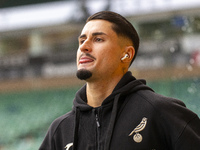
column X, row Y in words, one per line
column 120, row 25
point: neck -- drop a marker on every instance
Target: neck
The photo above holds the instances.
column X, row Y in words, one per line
column 97, row 92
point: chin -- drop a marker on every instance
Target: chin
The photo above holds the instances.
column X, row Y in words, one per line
column 83, row 74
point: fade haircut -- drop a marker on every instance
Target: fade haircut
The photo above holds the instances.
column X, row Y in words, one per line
column 120, row 25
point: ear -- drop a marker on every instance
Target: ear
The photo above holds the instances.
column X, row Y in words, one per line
column 131, row 52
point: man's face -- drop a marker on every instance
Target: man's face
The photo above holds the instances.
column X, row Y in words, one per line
column 100, row 50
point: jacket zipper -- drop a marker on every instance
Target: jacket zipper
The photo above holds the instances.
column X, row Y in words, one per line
column 97, row 121
column 98, row 128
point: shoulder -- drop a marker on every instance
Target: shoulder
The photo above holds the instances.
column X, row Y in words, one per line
column 158, row 101
column 170, row 111
column 57, row 129
column 64, row 117
column 64, row 120
column 163, row 106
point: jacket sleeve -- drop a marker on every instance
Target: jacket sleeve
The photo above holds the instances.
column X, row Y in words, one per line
column 58, row 133
column 190, row 137
column 48, row 142
column 180, row 125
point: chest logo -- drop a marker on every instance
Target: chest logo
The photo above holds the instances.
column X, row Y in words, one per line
column 68, row 146
column 138, row 137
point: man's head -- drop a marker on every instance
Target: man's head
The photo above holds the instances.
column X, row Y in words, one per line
column 104, row 42
column 120, row 25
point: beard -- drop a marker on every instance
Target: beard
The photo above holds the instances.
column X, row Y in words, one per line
column 83, row 74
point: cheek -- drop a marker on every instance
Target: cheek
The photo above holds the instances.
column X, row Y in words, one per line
column 77, row 55
column 113, row 55
column 107, row 59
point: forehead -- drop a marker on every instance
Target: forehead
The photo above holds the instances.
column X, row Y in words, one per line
column 98, row 26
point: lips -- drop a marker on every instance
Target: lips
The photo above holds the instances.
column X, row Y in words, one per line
column 85, row 59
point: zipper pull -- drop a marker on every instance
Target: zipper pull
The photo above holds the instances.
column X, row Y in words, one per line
column 97, row 121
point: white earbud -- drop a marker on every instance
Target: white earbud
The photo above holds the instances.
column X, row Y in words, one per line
column 125, row 56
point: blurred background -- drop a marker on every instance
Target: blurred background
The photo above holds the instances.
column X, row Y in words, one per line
column 38, row 43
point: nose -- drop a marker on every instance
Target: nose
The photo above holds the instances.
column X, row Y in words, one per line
column 85, row 46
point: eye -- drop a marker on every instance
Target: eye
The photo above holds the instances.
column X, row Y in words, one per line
column 81, row 41
column 99, row 40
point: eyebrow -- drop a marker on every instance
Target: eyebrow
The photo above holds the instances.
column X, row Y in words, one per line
column 93, row 34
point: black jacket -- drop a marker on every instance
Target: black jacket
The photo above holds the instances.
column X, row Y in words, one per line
column 133, row 117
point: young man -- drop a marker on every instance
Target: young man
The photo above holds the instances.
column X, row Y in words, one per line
column 115, row 111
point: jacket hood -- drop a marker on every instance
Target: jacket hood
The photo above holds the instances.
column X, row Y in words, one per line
column 126, row 85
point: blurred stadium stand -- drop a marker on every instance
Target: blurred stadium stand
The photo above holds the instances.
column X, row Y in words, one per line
column 38, row 43
column 26, row 115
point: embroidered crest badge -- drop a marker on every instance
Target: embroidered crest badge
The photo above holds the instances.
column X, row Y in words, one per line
column 138, row 137
column 68, row 146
